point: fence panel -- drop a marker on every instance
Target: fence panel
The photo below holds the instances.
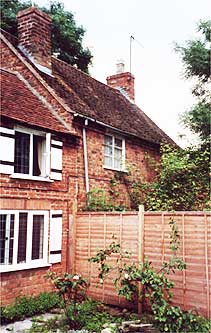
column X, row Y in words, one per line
column 148, row 235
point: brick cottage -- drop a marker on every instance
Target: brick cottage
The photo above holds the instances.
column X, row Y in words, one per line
column 63, row 133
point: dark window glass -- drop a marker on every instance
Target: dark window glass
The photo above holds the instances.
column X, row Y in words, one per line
column 12, row 217
column 6, row 238
column 37, row 237
column 2, row 237
column 22, row 148
column 22, row 236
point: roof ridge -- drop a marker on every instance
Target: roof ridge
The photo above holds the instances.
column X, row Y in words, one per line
column 88, row 76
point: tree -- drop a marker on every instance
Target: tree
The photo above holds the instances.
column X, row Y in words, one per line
column 66, row 36
column 196, row 59
column 183, row 182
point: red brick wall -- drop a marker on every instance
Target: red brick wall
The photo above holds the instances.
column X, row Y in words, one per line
column 68, row 194
column 99, row 177
column 124, row 81
column 34, row 195
column 34, row 33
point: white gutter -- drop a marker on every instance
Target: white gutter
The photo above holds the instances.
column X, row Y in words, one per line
column 112, row 128
column 102, row 124
column 86, row 167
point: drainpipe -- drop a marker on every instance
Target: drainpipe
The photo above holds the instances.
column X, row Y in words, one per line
column 85, row 157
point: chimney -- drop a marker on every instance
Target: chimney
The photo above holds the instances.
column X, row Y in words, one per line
column 34, row 34
column 122, row 81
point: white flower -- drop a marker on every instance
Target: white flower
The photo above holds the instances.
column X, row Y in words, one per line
column 76, row 277
column 126, row 276
column 101, row 281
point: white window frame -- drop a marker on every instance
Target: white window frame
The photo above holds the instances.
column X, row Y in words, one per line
column 47, row 137
column 113, row 136
column 36, row 263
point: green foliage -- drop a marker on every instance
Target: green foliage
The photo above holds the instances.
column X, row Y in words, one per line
column 183, row 182
column 155, row 286
column 88, row 316
column 66, row 36
column 198, row 120
column 196, row 59
column 27, row 306
column 98, row 200
column 71, row 287
column 196, row 54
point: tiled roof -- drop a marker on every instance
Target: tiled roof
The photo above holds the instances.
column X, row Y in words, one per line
column 88, row 97
column 19, row 103
column 91, row 98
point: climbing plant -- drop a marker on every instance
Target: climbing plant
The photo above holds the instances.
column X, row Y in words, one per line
column 156, row 285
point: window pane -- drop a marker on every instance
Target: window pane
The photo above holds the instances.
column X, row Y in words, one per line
column 37, row 237
column 117, row 164
column 6, row 238
column 22, row 236
column 108, row 140
column 117, row 158
column 108, row 150
column 2, row 237
column 37, row 155
column 118, row 142
column 22, row 144
column 108, row 161
column 11, row 239
column 117, row 154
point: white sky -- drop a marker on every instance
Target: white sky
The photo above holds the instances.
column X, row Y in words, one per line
column 160, row 89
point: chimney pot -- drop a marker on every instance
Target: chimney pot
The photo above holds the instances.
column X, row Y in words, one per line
column 120, row 67
column 122, row 81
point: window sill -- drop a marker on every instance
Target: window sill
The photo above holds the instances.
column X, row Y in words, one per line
column 115, row 169
column 21, row 267
column 29, row 177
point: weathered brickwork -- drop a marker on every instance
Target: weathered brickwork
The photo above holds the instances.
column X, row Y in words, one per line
column 69, row 194
column 34, row 34
column 124, row 81
column 10, row 61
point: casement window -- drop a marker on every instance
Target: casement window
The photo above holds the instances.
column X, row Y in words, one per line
column 30, row 154
column 24, row 239
column 114, row 153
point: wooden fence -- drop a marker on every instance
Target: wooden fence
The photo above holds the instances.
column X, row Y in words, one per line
column 147, row 234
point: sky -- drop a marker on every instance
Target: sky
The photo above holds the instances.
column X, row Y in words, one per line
column 160, row 88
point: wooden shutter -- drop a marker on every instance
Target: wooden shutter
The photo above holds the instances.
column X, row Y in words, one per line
column 55, row 236
column 7, row 150
column 56, row 160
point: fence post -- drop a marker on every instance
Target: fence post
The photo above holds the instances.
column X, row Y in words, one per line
column 140, row 246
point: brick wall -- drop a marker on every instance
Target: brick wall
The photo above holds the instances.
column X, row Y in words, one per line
column 124, row 81
column 67, row 195
column 34, row 34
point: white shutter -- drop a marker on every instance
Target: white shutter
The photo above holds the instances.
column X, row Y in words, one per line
column 55, row 236
column 56, row 160
column 7, row 150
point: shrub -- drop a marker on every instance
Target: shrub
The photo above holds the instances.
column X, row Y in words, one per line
column 27, row 306
column 88, row 316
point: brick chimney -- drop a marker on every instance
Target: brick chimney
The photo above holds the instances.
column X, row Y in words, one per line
column 123, row 81
column 34, row 34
